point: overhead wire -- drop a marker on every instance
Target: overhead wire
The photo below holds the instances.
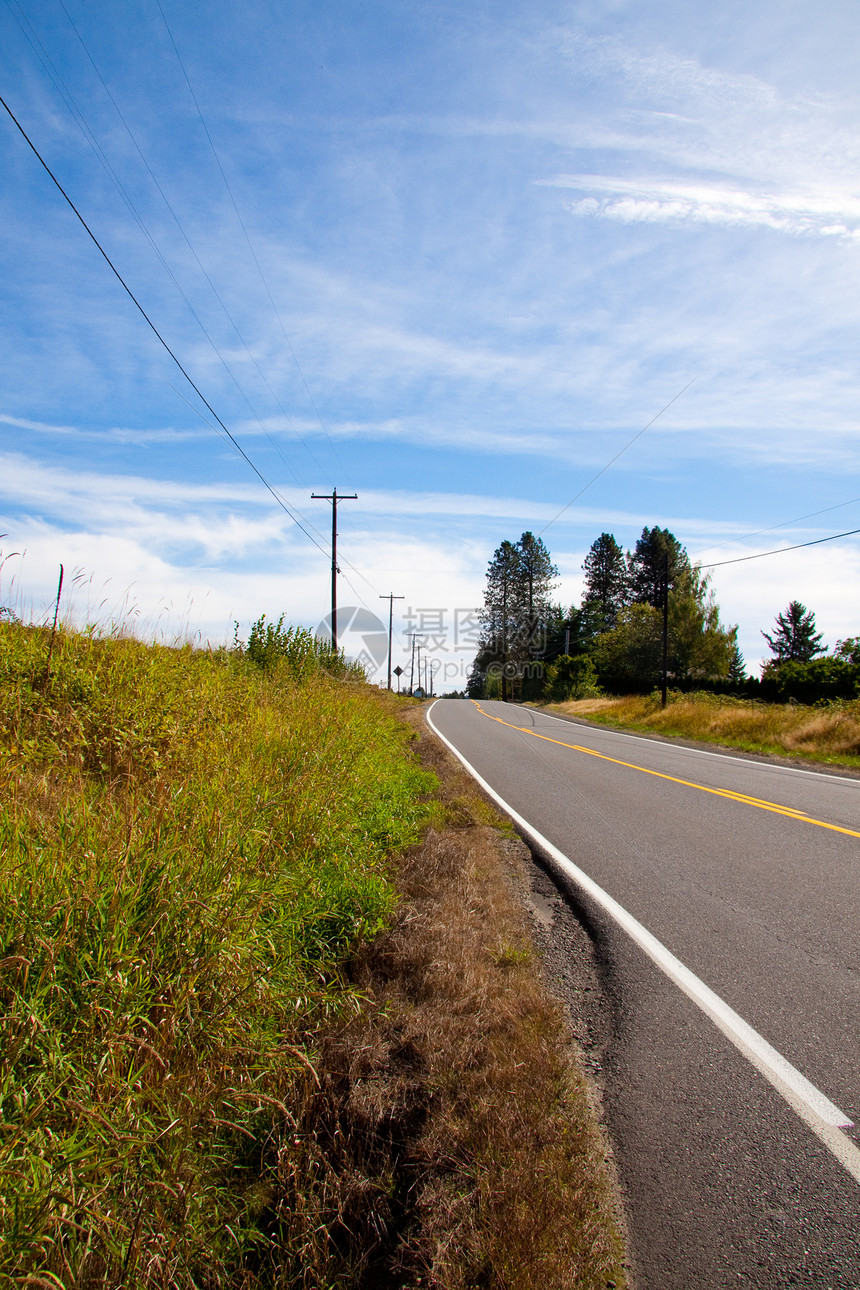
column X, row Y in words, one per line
column 217, row 425
column 247, row 236
column 200, row 265
column 771, row 528
column 80, row 120
column 612, row 461
column 82, row 123
column 760, row 555
column 127, row 289
column 78, row 116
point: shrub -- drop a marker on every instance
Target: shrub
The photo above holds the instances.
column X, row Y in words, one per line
column 811, row 681
column 271, row 644
column 571, row 677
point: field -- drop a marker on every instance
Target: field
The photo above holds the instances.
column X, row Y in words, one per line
column 827, row 732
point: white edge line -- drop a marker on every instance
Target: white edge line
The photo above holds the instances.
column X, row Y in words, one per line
column 817, row 1111
column 667, row 741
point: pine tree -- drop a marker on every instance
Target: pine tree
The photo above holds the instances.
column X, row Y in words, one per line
column 737, row 668
column 606, row 583
column 500, row 609
column 536, row 579
column 647, row 565
column 795, row 637
column 700, row 647
column 517, row 613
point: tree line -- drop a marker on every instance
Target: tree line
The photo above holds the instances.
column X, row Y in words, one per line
column 613, row 641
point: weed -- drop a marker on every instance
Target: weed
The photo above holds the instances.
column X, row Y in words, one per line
column 192, row 850
column 232, row 1054
column 271, row 644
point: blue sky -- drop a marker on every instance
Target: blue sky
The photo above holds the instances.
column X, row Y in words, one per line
column 452, row 258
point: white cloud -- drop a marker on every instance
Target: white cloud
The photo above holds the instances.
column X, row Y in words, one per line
column 237, row 516
column 673, row 202
column 731, row 150
column 753, row 593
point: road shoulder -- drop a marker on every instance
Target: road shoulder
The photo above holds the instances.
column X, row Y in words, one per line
column 464, row 1073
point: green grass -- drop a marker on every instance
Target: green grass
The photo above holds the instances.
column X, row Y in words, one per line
column 827, row 732
column 192, row 847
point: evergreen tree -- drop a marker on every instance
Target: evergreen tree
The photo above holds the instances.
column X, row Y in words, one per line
column 795, row 638
column 500, row 612
column 518, row 615
column 700, row 648
column 737, row 668
column 646, row 566
column 606, row 583
column 536, row 574
column 628, row 657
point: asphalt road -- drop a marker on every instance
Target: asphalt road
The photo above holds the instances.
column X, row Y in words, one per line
column 736, row 1171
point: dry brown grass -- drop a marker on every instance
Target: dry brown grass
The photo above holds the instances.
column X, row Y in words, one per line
column 828, row 734
column 469, row 1151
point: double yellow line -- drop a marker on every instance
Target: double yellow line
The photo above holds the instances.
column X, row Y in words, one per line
column 775, row 807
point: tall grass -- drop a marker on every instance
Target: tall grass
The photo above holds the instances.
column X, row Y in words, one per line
column 192, row 846
column 828, row 731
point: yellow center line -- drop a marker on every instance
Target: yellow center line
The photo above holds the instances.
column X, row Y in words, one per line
column 776, row 808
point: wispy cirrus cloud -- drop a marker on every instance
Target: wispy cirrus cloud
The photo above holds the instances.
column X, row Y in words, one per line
column 714, row 147
column 655, row 201
column 114, row 434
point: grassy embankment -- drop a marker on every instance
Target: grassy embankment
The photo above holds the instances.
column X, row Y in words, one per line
column 211, row 1073
column 825, row 733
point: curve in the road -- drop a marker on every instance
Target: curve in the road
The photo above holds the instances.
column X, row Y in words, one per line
column 814, row 1108
column 776, row 807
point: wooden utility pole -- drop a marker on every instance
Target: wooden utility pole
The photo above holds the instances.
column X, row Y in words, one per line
column 412, row 664
column 505, row 638
column 665, row 675
column 334, row 499
column 391, row 599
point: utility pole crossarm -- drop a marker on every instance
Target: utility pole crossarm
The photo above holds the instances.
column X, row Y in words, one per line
column 334, row 499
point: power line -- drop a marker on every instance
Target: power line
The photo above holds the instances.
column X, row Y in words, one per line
column 618, row 454
column 200, row 265
column 243, row 226
column 127, row 289
column 780, row 550
column 88, row 133
column 811, row 515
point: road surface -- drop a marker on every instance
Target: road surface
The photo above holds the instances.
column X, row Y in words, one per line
column 724, row 898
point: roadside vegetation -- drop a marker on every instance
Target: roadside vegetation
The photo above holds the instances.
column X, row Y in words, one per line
column 269, row 1012
column 193, row 845
column 828, row 731
column 604, row 659
column 482, row 1162
column 531, row 648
